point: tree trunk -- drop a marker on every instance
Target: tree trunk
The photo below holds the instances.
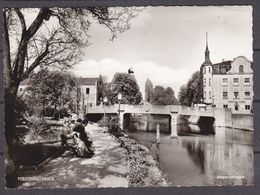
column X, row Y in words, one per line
column 10, row 120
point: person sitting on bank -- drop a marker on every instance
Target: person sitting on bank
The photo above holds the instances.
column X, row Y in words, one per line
column 85, row 121
column 82, row 135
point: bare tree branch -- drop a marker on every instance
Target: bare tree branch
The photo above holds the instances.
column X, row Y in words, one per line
column 34, row 64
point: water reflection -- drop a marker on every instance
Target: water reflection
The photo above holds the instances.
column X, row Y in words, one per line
column 222, row 159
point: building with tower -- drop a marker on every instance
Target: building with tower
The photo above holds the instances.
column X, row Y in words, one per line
column 227, row 84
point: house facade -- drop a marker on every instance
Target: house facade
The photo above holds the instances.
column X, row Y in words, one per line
column 228, row 84
column 91, row 91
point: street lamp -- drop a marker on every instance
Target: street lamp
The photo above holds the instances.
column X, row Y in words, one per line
column 105, row 102
column 119, row 97
column 213, row 101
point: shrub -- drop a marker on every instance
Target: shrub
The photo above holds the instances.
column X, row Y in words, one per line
column 20, row 109
column 38, row 126
column 48, row 111
column 105, row 123
column 114, row 128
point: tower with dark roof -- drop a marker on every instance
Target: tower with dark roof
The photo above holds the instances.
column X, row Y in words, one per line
column 206, row 76
column 207, row 61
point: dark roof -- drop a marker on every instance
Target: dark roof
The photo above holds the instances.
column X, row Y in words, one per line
column 222, row 67
column 223, row 63
column 87, row 81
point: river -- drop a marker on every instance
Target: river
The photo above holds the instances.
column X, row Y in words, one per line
column 225, row 158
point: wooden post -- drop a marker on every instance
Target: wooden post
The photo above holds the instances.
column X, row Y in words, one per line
column 157, row 133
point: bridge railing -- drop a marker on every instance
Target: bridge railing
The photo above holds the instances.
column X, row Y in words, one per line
column 156, row 109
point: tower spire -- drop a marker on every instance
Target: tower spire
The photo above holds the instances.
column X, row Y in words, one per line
column 207, row 58
column 206, row 40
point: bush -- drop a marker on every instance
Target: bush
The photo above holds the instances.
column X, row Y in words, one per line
column 113, row 127
column 20, row 109
column 48, row 111
column 57, row 114
column 105, row 123
column 38, row 127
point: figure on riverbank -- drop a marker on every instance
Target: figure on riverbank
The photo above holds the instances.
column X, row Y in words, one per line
column 83, row 142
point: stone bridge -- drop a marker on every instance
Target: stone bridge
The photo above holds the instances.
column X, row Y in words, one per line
column 222, row 116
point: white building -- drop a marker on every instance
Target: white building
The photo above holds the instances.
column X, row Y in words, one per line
column 228, row 84
column 91, row 92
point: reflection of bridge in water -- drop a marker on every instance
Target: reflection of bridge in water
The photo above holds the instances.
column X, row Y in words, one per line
column 221, row 117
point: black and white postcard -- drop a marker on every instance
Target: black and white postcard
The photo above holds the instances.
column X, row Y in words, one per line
column 150, row 96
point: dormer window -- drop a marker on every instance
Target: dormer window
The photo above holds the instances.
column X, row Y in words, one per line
column 241, row 69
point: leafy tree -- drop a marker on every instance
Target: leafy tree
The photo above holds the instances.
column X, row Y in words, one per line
column 190, row 93
column 127, row 85
column 148, row 90
column 170, row 96
column 182, row 95
column 55, row 37
column 52, row 88
column 163, row 96
column 108, row 92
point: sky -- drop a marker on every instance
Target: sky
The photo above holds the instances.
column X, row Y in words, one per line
column 167, row 44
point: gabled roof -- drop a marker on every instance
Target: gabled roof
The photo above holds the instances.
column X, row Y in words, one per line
column 87, row 81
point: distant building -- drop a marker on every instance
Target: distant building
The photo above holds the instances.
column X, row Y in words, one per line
column 91, row 92
column 228, row 84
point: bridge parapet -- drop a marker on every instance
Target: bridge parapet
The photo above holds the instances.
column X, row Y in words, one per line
column 158, row 109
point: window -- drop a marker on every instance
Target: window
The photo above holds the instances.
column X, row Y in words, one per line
column 223, row 70
column 205, row 81
column 209, row 69
column 247, row 80
column 204, row 94
column 225, row 106
column 204, row 70
column 209, row 81
column 87, row 90
column 241, row 69
column 213, row 106
column 209, row 94
column 235, row 80
column 224, row 80
column 247, row 107
column 236, row 107
column 236, row 95
column 225, row 95
column 247, row 93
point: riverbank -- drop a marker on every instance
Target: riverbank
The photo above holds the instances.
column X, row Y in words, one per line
column 144, row 171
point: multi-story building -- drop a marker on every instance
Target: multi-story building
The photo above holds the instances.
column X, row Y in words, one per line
column 91, row 90
column 228, row 84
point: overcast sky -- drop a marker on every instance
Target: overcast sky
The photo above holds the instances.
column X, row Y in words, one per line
column 167, row 44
